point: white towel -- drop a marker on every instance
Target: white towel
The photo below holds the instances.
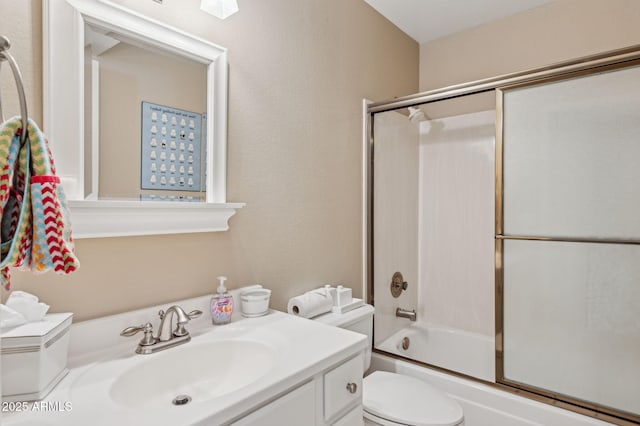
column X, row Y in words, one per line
column 10, row 318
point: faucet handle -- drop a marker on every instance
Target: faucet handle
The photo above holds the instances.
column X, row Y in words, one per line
column 147, row 328
column 180, row 330
column 191, row 315
column 130, row 331
column 194, row 314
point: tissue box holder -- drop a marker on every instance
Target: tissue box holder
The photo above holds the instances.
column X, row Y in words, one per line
column 34, row 357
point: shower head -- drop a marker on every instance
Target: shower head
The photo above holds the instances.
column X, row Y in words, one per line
column 416, row 115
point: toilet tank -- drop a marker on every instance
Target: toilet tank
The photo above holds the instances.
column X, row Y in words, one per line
column 359, row 320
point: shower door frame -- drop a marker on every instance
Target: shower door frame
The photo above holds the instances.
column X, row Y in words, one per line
column 592, row 64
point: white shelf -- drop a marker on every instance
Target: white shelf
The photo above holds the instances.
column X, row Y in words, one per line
column 106, row 218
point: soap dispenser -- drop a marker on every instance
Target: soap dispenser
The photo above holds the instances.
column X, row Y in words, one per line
column 221, row 305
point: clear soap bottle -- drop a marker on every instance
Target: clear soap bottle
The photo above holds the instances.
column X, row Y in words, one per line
column 221, row 305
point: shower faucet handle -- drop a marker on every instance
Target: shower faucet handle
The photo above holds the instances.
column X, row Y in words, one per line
column 398, row 284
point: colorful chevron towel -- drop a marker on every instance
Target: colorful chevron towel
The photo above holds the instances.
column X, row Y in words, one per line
column 35, row 229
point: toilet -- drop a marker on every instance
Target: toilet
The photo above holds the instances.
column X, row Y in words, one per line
column 392, row 399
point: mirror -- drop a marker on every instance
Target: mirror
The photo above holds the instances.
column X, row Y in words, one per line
column 107, row 70
column 144, row 111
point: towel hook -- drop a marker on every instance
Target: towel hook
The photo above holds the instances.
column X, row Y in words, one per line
column 6, row 56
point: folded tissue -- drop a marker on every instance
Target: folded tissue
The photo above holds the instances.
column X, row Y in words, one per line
column 21, row 307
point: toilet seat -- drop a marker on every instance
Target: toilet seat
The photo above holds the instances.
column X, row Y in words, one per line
column 391, row 398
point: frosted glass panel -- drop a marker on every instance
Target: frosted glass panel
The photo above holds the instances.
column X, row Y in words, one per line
column 572, row 157
column 572, row 319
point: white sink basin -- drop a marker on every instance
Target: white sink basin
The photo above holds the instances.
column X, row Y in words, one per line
column 227, row 371
column 200, row 371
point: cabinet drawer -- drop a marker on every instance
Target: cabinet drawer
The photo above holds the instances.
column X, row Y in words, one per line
column 342, row 386
column 295, row 408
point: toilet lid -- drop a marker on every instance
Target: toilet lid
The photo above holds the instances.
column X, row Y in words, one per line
column 407, row 400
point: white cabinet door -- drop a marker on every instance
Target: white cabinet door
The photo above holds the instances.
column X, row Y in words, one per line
column 295, row 408
column 352, row 418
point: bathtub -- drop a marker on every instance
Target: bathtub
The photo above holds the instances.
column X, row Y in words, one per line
column 471, row 354
column 468, row 353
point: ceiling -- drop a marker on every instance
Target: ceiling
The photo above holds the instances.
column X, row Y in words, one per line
column 426, row 20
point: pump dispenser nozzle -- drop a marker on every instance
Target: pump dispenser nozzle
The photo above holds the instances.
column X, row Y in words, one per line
column 221, row 287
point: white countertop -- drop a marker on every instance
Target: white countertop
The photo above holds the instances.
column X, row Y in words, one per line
column 304, row 348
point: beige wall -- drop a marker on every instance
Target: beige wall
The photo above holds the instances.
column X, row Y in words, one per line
column 298, row 73
column 560, row 30
column 24, row 31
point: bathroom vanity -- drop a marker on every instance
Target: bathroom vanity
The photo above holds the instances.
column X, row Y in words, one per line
column 272, row 370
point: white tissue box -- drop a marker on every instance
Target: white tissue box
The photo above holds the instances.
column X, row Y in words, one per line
column 34, row 357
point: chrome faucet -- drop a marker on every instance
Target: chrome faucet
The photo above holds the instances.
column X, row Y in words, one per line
column 166, row 338
column 404, row 313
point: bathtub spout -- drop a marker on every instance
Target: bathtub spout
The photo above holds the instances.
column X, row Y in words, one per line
column 403, row 313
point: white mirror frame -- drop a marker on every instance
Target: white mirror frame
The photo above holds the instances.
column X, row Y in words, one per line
column 63, row 111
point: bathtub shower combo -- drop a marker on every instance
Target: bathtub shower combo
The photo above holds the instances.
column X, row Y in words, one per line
column 503, row 252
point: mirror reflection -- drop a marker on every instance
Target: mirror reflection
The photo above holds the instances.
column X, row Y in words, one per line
column 145, row 120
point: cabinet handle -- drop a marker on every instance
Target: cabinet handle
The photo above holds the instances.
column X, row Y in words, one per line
column 352, row 387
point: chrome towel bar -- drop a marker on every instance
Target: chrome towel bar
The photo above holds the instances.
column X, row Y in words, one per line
column 6, row 56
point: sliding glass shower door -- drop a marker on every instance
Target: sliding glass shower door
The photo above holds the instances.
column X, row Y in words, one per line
column 524, row 211
column 568, row 239
column 433, row 233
